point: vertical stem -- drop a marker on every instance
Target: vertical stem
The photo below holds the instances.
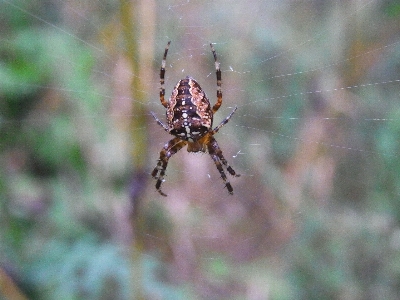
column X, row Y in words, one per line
column 129, row 20
column 139, row 137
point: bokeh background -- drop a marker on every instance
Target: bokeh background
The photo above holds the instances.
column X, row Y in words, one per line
column 316, row 212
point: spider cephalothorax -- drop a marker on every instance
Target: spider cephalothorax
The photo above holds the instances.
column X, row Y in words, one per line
column 190, row 119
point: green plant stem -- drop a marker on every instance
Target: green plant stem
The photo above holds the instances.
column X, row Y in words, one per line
column 139, row 141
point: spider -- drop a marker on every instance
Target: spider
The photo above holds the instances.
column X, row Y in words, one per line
column 189, row 119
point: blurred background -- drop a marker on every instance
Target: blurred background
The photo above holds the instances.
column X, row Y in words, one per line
column 316, row 211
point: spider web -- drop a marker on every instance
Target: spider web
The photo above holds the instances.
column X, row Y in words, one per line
column 314, row 137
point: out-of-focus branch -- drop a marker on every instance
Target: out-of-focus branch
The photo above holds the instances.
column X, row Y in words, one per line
column 138, row 126
column 8, row 289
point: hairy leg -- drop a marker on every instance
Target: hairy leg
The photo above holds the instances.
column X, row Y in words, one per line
column 170, row 148
column 224, row 121
column 159, row 122
column 217, row 156
column 162, row 76
column 219, row 81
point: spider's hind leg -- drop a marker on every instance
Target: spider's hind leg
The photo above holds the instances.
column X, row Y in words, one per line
column 169, row 149
column 217, row 156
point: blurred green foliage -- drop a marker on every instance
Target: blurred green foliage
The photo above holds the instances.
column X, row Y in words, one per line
column 63, row 231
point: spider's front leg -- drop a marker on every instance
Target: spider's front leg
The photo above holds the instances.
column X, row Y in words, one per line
column 224, row 121
column 217, row 156
column 169, row 149
column 219, row 81
column 159, row 122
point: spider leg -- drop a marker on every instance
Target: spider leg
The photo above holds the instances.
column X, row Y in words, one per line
column 162, row 76
column 218, row 151
column 169, row 149
column 217, row 156
column 226, row 120
column 159, row 122
column 219, row 81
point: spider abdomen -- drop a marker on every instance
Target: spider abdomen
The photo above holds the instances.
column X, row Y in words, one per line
column 189, row 114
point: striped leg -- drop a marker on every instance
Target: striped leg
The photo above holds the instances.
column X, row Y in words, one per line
column 217, row 156
column 219, row 81
column 159, row 122
column 162, row 76
column 169, row 149
column 224, row 121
